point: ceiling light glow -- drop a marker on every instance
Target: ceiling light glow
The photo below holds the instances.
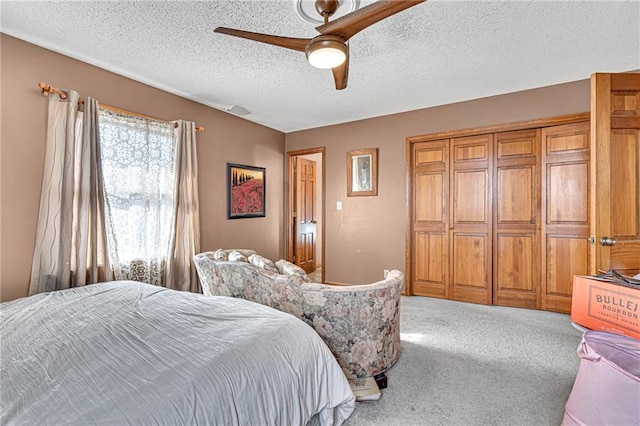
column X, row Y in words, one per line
column 326, row 52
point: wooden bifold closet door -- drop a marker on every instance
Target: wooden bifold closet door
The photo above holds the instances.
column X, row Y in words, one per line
column 451, row 218
column 508, row 214
column 500, row 217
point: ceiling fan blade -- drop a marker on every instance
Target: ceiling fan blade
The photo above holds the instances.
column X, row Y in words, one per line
column 352, row 23
column 298, row 44
column 341, row 74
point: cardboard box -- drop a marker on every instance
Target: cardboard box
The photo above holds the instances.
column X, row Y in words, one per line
column 606, row 306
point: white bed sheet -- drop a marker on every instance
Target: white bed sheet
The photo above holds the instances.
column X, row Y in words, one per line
column 130, row 353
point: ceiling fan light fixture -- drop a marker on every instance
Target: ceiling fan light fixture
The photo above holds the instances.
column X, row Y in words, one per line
column 326, row 52
column 330, row 49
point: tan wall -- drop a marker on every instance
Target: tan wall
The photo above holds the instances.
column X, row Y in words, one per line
column 24, row 113
column 368, row 235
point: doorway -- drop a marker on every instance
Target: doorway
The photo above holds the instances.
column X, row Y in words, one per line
column 305, row 211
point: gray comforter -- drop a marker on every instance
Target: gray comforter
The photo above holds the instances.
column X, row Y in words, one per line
column 131, row 353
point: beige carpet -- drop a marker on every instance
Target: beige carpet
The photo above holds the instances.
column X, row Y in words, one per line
column 467, row 364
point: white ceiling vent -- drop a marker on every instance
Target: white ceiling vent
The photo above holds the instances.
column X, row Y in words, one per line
column 237, row 110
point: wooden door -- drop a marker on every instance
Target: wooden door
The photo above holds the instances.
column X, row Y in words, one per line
column 565, row 212
column 516, row 249
column 470, row 235
column 305, row 214
column 429, row 219
column 615, row 141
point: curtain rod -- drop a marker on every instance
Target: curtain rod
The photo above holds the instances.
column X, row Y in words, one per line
column 46, row 89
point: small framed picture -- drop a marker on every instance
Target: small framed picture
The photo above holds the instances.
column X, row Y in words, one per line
column 246, row 191
column 362, row 172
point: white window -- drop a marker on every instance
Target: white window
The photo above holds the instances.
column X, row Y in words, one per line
column 138, row 168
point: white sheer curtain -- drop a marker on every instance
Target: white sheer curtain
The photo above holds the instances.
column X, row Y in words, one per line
column 182, row 274
column 138, row 156
column 119, row 200
column 70, row 247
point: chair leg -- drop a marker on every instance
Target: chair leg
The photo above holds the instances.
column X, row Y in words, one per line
column 381, row 380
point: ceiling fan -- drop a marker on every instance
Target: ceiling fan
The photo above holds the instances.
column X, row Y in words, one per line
column 330, row 49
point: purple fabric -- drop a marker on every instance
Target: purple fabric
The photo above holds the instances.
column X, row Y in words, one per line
column 607, row 387
column 622, row 351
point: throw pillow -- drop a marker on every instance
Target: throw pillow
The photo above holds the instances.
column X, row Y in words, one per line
column 288, row 268
column 220, row 255
column 263, row 262
column 236, row 256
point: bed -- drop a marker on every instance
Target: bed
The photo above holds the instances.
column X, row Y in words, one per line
column 130, row 353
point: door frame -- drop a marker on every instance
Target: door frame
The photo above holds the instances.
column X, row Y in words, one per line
column 289, row 205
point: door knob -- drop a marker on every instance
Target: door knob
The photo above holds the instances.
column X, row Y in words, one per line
column 606, row 241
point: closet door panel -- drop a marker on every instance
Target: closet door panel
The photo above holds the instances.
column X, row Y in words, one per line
column 429, row 198
column 429, row 220
column 565, row 212
column 430, row 266
column 560, row 271
column 470, row 275
column 516, row 254
column 567, row 196
column 515, row 271
column 516, row 198
column 471, row 219
column 470, row 203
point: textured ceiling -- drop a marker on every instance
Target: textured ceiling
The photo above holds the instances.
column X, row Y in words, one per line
column 435, row 53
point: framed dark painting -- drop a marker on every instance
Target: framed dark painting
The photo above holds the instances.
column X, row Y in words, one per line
column 246, row 191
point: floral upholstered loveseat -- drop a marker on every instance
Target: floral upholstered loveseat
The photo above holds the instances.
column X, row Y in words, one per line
column 359, row 323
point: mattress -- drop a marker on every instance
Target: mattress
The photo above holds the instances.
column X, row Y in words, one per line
column 130, row 353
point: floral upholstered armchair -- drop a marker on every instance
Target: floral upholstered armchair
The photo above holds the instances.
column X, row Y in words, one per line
column 359, row 323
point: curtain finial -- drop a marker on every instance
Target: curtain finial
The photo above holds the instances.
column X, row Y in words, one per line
column 46, row 89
